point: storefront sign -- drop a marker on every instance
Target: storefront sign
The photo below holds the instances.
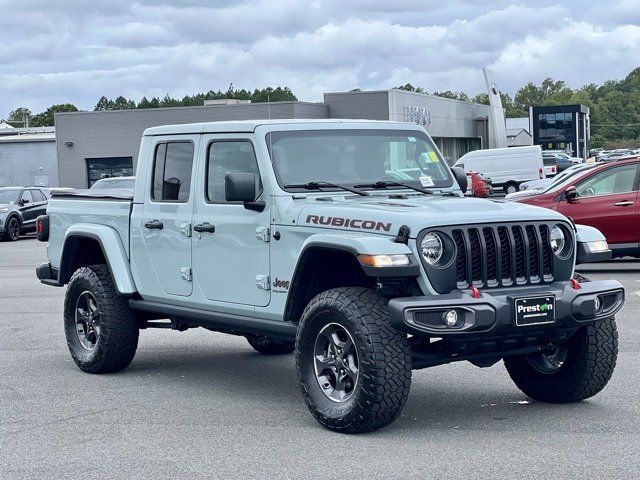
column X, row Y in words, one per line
column 419, row 115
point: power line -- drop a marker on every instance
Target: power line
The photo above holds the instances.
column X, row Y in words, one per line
column 615, row 124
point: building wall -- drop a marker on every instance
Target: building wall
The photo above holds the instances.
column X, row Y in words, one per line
column 28, row 163
column 117, row 133
column 358, row 105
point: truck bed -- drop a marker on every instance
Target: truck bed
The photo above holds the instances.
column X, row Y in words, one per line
column 86, row 208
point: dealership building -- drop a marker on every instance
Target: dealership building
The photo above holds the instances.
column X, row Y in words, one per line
column 93, row 145
column 28, row 156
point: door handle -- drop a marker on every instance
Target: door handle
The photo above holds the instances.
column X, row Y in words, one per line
column 625, row 203
column 154, row 225
column 204, row 227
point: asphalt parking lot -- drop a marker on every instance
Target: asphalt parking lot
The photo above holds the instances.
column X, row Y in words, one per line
column 198, row 404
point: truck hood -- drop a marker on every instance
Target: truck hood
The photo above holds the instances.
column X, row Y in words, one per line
column 382, row 214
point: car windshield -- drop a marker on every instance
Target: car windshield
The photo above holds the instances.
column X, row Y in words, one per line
column 9, row 195
column 350, row 157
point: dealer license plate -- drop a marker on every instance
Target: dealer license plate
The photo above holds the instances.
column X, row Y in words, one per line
column 535, row 310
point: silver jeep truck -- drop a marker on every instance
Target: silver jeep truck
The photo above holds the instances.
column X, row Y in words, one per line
column 348, row 242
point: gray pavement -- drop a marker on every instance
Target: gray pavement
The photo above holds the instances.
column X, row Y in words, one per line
column 198, row 404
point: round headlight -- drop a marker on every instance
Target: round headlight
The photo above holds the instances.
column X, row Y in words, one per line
column 557, row 240
column 431, row 248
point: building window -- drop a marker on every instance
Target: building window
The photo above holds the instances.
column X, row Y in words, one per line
column 98, row 168
column 172, row 168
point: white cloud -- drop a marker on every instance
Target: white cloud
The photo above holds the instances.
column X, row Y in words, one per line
column 67, row 51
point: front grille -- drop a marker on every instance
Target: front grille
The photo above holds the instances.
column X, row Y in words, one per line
column 502, row 255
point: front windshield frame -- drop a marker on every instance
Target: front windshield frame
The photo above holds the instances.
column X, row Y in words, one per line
column 7, row 199
column 445, row 183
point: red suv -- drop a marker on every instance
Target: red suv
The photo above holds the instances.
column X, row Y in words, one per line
column 605, row 197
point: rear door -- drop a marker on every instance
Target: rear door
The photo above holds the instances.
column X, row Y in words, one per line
column 608, row 201
column 231, row 252
column 165, row 222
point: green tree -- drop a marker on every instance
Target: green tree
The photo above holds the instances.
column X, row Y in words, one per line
column 410, row 88
column 19, row 116
column 46, row 118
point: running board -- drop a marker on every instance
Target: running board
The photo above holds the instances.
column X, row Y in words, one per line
column 220, row 322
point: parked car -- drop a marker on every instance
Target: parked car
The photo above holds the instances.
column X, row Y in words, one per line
column 19, row 208
column 115, row 182
column 535, row 187
column 479, row 186
column 604, row 197
column 257, row 228
column 564, row 156
column 506, row 167
column 559, row 162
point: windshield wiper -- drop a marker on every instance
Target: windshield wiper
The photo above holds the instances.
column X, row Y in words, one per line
column 321, row 185
column 385, row 184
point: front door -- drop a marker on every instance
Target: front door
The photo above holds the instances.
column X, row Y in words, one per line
column 231, row 250
column 166, row 218
column 607, row 201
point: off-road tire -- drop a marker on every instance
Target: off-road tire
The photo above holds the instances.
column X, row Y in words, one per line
column 269, row 346
column 10, row 229
column 118, row 339
column 384, row 360
column 592, row 354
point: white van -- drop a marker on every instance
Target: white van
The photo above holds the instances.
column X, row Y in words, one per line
column 506, row 167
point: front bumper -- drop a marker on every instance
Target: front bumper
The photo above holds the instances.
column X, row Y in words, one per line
column 47, row 274
column 492, row 314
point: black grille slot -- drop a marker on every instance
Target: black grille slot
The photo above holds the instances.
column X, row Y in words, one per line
column 476, row 255
column 534, row 258
column 520, row 253
column 547, row 260
column 461, row 267
column 502, row 255
column 492, row 259
column 505, row 253
column 429, row 318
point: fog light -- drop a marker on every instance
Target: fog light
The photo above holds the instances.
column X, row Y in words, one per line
column 451, row 318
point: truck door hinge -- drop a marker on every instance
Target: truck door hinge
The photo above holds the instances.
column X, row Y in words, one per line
column 262, row 233
column 262, row 282
column 185, row 229
column 185, row 273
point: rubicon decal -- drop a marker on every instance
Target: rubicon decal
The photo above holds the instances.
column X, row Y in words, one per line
column 349, row 223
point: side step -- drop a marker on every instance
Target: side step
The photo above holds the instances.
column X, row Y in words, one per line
column 219, row 322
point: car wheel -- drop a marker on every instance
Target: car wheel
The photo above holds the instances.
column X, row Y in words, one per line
column 270, row 346
column 101, row 330
column 12, row 229
column 510, row 188
column 569, row 372
column 354, row 369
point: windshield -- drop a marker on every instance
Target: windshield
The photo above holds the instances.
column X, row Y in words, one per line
column 350, row 157
column 9, row 195
column 565, row 179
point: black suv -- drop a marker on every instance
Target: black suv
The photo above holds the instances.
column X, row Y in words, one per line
column 19, row 208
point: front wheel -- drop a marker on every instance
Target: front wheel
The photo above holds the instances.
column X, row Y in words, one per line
column 354, row 369
column 101, row 330
column 570, row 372
column 12, row 229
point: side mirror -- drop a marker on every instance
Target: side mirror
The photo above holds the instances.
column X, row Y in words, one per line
column 461, row 177
column 241, row 187
column 570, row 193
column 24, row 201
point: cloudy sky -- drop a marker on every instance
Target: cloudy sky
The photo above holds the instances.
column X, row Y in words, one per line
column 58, row 51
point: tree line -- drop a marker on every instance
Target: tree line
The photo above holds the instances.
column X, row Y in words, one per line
column 614, row 105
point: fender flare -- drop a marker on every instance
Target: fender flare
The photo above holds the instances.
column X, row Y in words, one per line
column 112, row 250
column 586, row 236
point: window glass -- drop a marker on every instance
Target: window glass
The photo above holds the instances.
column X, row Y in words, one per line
column 349, row 157
column 37, row 196
column 99, row 168
column 548, row 160
column 608, row 182
column 225, row 157
column 172, row 172
column 26, row 196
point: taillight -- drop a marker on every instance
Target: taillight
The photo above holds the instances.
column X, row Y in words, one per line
column 541, row 172
column 42, row 228
column 553, row 169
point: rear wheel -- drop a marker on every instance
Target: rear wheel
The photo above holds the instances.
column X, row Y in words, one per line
column 354, row 369
column 12, row 229
column 269, row 346
column 101, row 330
column 511, row 187
column 570, row 372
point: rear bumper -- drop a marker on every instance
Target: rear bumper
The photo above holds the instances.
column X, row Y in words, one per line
column 47, row 274
column 493, row 313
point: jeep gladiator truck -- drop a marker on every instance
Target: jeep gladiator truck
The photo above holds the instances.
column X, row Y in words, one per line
column 348, row 242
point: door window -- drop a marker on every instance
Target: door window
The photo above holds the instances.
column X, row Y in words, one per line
column 37, row 196
column 229, row 156
column 26, row 196
column 608, row 182
column 172, row 168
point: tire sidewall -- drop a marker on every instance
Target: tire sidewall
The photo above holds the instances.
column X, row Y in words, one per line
column 7, row 232
column 317, row 399
column 86, row 281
